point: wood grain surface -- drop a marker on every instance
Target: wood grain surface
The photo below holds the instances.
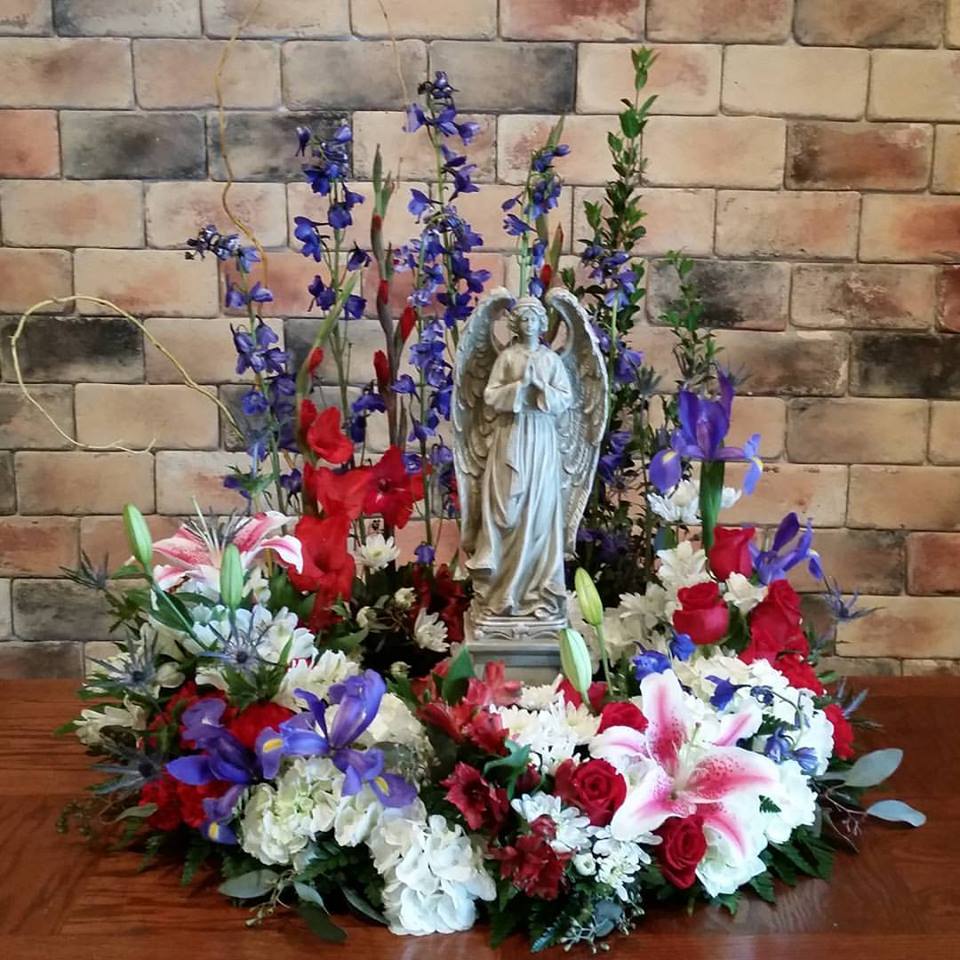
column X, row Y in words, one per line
column 59, row 898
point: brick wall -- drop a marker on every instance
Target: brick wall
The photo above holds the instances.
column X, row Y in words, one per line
column 806, row 152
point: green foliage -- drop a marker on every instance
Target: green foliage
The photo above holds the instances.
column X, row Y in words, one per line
column 319, row 922
column 454, row 683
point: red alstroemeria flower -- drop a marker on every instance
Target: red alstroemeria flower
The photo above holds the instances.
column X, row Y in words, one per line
column 392, row 491
column 341, row 494
column 323, row 433
column 328, row 566
column 484, row 805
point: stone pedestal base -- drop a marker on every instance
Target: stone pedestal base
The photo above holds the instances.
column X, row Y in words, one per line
column 529, row 647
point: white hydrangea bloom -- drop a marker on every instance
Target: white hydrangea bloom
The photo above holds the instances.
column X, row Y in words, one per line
column 377, row 553
column 394, row 723
column 316, row 676
column 433, row 875
column 573, row 828
column 723, row 869
column 430, row 632
column 682, row 566
column 356, row 817
column 743, row 594
column 89, row 726
column 797, row 802
column 280, row 821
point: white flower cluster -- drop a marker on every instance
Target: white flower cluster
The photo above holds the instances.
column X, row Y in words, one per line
column 433, row 875
column 682, row 503
column 552, row 732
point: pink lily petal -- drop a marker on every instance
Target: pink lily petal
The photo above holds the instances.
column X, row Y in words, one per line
column 620, row 746
column 167, row 577
column 248, row 537
column 184, row 548
column 648, row 804
column 729, row 770
column 667, row 716
column 721, row 819
column 288, row 549
column 737, row 726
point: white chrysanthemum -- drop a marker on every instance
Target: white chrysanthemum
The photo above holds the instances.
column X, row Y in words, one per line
column 682, row 503
column 366, row 617
column 797, row 802
column 573, row 828
column 404, row 598
column 553, row 734
column 619, row 861
column 430, row 632
column 433, row 875
column 723, row 868
column 281, row 821
column 682, row 566
column 89, row 726
column 585, row 864
column 317, row 677
column 743, row 594
column 538, row 697
column 377, row 553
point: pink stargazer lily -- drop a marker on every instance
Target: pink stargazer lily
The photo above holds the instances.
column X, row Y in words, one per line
column 678, row 770
column 195, row 551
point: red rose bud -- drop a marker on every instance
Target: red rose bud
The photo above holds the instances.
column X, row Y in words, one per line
column 383, row 293
column 408, row 320
column 594, row 786
column 683, row 847
column 622, row 713
column 315, row 359
column 381, row 366
column 703, row 614
column 730, row 552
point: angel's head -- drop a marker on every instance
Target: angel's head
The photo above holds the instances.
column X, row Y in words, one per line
column 528, row 319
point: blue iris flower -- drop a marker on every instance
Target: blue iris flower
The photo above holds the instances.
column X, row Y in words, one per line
column 775, row 562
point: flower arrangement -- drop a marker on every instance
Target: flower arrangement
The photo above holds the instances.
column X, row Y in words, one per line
column 291, row 700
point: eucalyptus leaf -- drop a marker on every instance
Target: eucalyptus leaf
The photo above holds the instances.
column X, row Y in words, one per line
column 896, row 811
column 873, row 768
column 320, row 923
column 361, row 905
column 249, row 886
column 308, row 894
column 136, row 813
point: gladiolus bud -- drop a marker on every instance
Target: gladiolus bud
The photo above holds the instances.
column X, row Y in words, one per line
column 231, row 577
column 575, row 660
column 138, row 535
column 591, row 606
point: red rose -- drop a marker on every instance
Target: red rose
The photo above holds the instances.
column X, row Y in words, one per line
column 702, row 615
column 483, row 805
column 683, row 847
column 730, row 552
column 533, row 866
column 775, row 625
column 622, row 713
column 842, row 732
column 800, row 674
column 248, row 723
column 594, row 786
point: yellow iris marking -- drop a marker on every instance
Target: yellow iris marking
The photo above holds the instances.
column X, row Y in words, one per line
column 214, row 830
column 274, row 743
column 382, row 784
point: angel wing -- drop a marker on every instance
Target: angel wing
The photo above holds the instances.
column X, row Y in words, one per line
column 473, row 421
column 581, row 428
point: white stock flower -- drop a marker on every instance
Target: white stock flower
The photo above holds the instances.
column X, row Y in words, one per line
column 377, row 553
column 682, row 566
column 430, row 632
column 89, row 726
column 281, row 821
column 433, row 875
column 573, row 828
column 743, row 594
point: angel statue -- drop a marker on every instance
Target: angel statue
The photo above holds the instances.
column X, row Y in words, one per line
column 528, row 421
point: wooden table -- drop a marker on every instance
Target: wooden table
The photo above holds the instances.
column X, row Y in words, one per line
column 899, row 899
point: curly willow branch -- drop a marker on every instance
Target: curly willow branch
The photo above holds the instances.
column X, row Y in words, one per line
column 396, row 52
column 244, row 228
column 76, row 298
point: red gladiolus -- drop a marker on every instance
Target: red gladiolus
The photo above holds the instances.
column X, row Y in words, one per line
column 340, row 494
column 381, row 366
column 383, row 292
column 484, row 806
column 408, row 320
column 703, row 614
column 323, row 433
column 328, row 566
column 314, row 360
column 392, row 491
column 730, row 552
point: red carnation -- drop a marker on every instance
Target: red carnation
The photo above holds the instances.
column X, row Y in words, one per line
column 594, row 786
column 622, row 713
column 191, row 800
column 162, row 792
column 247, row 724
column 392, row 491
column 483, row 805
column 842, row 732
column 323, row 433
column 533, row 866
column 800, row 673
column 682, row 849
column 702, row 615
column 730, row 552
